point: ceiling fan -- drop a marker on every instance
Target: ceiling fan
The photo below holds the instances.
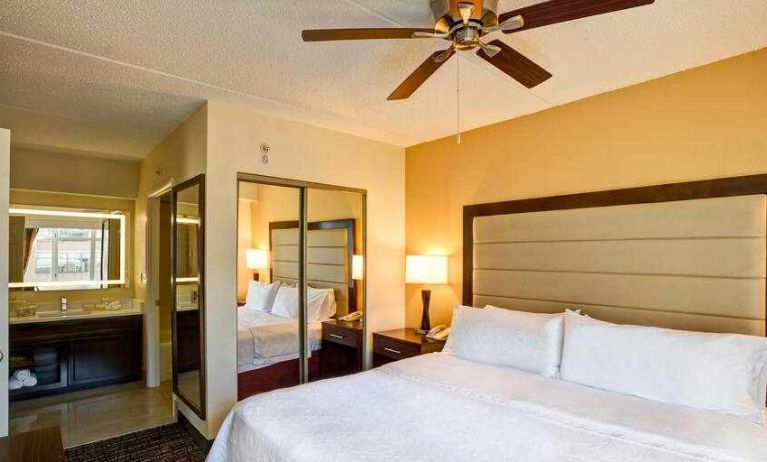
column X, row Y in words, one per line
column 465, row 22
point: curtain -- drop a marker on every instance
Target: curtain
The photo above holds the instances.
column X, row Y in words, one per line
column 29, row 239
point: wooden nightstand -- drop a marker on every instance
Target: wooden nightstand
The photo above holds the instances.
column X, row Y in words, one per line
column 392, row 345
column 341, row 348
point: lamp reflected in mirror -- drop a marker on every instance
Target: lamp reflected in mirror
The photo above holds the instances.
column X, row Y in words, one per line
column 256, row 260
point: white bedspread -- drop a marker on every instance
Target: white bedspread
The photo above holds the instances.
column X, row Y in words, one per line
column 264, row 339
column 439, row 407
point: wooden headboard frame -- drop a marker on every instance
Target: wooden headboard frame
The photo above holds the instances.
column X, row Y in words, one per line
column 725, row 187
column 345, row 223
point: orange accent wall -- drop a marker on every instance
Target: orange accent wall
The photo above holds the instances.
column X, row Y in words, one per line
column 708, row 122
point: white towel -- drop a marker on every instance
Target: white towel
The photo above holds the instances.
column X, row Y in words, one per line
column 30, row 381
column 22, row 374
column 14, row 384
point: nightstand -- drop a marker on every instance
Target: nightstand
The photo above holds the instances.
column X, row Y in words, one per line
column 341, row 352
column 392, row 345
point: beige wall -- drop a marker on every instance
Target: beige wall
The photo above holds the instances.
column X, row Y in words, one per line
column 69, row 173
column 303, row 152
column 708, row 122
column 180, row 156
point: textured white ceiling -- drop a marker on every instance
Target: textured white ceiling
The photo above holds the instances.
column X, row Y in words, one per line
column 115, row 77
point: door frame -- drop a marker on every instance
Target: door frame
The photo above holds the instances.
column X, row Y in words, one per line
column 152, row 350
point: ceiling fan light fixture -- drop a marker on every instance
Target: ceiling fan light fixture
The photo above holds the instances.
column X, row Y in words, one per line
column 465, row 9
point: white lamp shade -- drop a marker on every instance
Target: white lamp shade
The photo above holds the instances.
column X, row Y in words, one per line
column 357, row 265
column 256, row 259
column 426, row 269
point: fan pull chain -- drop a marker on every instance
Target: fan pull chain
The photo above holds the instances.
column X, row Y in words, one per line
column 458, row 100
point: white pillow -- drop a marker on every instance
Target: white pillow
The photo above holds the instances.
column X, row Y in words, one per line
column 260, row 296
column 719, row 372
column 527, row 341
column 286, row 303
column 319, row 303
column 328, row 306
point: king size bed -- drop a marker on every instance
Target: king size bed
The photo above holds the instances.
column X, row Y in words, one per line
column 611, row 378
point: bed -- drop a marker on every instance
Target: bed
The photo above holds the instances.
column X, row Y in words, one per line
column 432, row 407
column 687, row 256
column 267, row 345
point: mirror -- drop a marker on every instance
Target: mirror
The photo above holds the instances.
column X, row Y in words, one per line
column 301, row 295
column 65, row 249
column 268, row 275
column 187, row 292
column 334, row 246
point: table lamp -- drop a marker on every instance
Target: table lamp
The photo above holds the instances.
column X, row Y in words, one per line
column 427, row 270
column 255, row 260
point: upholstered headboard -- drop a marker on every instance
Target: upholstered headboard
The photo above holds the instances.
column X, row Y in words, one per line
column 329, row 250
column 689, row 256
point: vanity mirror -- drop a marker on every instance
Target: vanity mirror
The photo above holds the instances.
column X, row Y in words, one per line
column 65, row 249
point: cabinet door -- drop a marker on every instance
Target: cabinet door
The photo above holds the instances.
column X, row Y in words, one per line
column 114, row 357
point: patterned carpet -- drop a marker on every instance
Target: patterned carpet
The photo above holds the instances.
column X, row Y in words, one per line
column 170, row 443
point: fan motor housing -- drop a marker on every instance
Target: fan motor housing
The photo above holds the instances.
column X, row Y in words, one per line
column 446, row 13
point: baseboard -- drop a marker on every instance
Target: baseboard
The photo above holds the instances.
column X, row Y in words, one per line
column 199, row 439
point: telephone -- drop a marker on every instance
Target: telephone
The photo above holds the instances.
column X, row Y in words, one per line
column 438, row 332
column 353, row 316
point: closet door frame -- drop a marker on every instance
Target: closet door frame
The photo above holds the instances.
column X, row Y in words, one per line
column 304, row 187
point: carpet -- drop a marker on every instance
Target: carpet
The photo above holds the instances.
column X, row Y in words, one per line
column 169, row 443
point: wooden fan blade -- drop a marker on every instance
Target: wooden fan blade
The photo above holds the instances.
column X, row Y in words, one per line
column 516, row 65
column 419, row 76
column 556, row 11
column 322, row 35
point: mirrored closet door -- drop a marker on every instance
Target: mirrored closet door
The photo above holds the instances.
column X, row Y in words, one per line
column 187, row 272
column 334, row 269
column 268, row 286
column 300, row 270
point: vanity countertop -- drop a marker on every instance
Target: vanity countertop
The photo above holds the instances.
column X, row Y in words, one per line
column 48, row 316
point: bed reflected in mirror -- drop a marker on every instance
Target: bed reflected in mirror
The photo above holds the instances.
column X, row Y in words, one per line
column 295, row 285
column 188, row 302
column 268, row 336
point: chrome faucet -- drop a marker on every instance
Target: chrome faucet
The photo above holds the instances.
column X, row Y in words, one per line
column 63, row 304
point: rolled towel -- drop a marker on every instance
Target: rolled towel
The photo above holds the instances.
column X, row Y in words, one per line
column 22, row 374
column 14, row 384
column 30, row 381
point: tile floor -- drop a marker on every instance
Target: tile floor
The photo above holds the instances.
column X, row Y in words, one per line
column 92, row 415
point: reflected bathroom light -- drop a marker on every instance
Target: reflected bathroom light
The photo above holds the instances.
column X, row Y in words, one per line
column 188, row 221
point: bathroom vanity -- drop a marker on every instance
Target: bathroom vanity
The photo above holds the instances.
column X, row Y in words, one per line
column 76, row 351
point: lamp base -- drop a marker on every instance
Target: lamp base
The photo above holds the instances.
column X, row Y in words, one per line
column 425, row 321
column 256, row 275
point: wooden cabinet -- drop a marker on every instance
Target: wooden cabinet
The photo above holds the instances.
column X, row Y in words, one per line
column 396, row 344
column 341, row 352
column 74, row 354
